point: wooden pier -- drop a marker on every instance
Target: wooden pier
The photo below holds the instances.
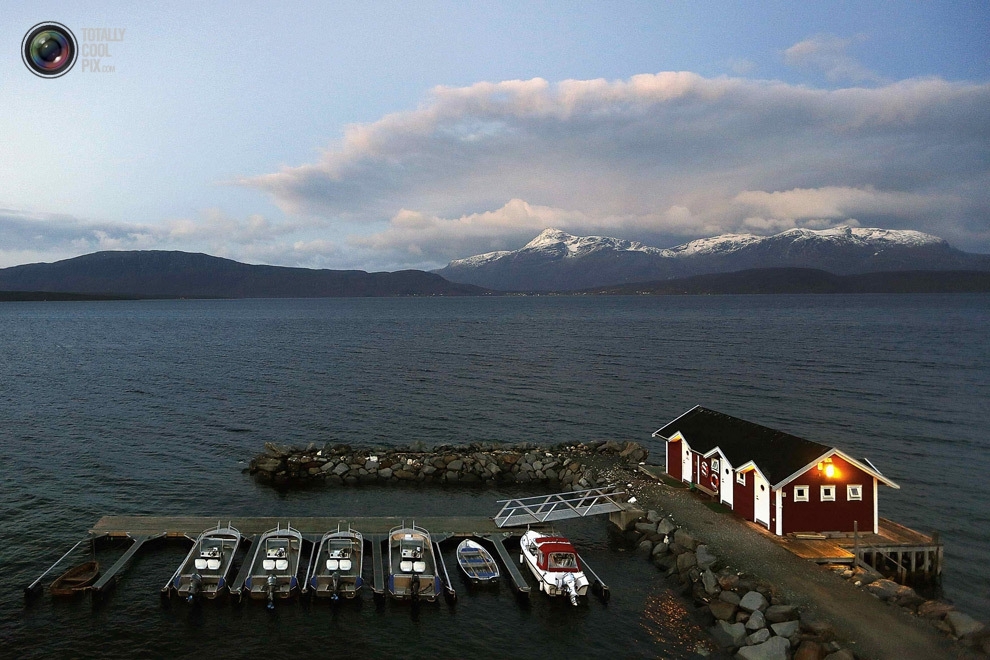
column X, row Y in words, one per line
column 894, row 549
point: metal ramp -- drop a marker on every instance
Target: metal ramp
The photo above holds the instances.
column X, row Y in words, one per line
column 559, row 506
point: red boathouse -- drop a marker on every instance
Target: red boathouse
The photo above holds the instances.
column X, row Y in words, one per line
column 783, row 482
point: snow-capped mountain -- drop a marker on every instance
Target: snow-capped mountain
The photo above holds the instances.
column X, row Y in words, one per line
column 557, row 261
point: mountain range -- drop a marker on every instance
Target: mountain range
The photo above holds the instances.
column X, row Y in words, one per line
column 557, row 261
column 165, row 274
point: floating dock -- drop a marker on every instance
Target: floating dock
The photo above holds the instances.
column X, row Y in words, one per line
column 143, row 531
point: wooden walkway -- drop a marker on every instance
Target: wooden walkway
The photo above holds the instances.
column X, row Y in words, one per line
column 191, row 526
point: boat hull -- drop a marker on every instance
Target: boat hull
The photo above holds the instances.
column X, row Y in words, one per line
column 205, row 571
column 338, row 565
column 274, row 566
column 476, row 562
column 412, row 565
column 75, row 580
column 536, row 551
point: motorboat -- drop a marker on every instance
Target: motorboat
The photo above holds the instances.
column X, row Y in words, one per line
column 555, row 564
column 476, row 562
column 412, row 565
column 337, row 564
column 274, row 566
column 205, row 570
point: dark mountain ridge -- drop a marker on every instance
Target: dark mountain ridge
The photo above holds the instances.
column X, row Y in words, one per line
column 170, row 274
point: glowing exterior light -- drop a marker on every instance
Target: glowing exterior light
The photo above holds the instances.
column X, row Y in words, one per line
column 829, row 470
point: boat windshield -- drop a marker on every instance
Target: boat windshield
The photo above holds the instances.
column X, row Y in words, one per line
column 560, row 560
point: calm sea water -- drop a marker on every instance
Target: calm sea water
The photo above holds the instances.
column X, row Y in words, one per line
column 155, row 408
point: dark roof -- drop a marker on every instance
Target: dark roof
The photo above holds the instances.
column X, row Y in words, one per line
column 777, row 454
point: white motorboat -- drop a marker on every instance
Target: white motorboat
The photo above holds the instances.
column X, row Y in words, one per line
column 204, row 572
column 412, row 565
column 275, row 565
column 555, row 564
column 337, row 565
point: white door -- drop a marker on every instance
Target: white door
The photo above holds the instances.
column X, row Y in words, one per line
column 761, row 499
column 686, row 468
column 725, row 490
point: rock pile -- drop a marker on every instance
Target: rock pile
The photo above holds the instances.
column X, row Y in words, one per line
column 562, row 466
column 942, row 615
column 746, row 617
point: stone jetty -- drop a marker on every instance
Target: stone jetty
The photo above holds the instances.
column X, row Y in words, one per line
column 568, row 466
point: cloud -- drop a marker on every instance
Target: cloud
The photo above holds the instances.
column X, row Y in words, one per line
column 827, row 53
column 669, row 155
column 34, row 237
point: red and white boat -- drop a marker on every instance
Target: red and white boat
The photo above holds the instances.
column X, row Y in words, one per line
column 555, row 564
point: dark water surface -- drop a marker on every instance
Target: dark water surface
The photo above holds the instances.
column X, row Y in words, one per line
column 155, row 408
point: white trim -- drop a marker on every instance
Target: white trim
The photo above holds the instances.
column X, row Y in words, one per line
column 850, row 497
column 802, row 498
column 780, row 512
column 671, row 422
column 740, row 478
column 876, row 512
column 828, row 498
column 843, row 455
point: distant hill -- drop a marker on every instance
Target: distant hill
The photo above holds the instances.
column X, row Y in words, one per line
column 161, row 274
column 557, row 261
column 807, row 280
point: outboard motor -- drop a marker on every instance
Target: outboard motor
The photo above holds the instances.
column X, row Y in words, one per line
column 335, row 586
column 568, row 585
column 195, row 587
column 272, row 581
column 414, row 586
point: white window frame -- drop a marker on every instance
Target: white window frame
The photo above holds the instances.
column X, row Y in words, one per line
column 828, row 493
column 802, row 493
column 854, row 493
column 741, row 478
column 714, row 466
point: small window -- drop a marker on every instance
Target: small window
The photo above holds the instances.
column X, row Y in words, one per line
column 714, row 465
column 828, row 493
column 801, row 493
column 854, row 492
column 741, row 478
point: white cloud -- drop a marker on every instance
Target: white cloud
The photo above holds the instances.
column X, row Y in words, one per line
column 666, row 155
column 827, row 53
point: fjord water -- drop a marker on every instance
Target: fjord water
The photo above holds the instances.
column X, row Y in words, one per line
column 155, row 407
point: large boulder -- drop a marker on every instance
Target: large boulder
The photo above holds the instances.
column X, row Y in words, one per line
column 786, row 628
column 752, row 601
column 963, row 624
column 705, row 559
column 722, row 610
column 775, row 648
column 756, row 621
column 883, row 589
column 734, row 633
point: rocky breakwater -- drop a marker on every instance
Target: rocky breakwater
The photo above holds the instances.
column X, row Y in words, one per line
column 566, row 466
column 746, row 617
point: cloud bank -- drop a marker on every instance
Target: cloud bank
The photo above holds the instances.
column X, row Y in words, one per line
column 664, row 156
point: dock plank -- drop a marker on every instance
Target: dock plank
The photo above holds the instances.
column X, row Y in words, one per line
column 193, row 525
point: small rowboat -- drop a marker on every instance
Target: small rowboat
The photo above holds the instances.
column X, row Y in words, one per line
column 476, row 562
column 76, row 579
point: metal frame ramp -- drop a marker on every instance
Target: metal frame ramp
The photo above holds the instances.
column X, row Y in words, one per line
column 559, row 506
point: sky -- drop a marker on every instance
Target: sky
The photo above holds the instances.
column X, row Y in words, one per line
column 391, row 135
